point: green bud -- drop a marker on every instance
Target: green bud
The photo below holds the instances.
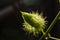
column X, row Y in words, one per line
column 33, row 22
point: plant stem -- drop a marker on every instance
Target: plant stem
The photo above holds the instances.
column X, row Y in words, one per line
column 54, row 38
column 51, row 25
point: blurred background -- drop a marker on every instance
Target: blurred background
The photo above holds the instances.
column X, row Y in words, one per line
column 11, row 20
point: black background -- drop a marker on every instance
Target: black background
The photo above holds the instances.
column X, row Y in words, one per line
column 11, row 24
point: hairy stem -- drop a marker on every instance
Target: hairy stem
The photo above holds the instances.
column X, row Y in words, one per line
column 54, row 38
column 51, row 26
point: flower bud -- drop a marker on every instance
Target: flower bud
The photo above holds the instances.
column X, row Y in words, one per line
column 33, row 22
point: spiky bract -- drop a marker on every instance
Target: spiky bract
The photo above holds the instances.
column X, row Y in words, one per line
column 33, row 22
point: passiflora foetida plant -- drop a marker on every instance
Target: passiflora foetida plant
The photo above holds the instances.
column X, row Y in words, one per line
column 33, row 22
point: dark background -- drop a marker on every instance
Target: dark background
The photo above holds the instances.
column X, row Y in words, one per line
column 11, row 21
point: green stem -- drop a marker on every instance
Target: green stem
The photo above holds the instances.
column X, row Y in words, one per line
column 43, row 32
column 47, row 36
column 54, row 38
column 51, row 26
